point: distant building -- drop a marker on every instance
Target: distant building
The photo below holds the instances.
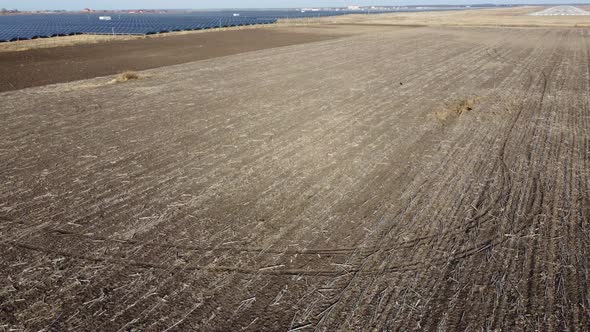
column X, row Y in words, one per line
column 353, row 7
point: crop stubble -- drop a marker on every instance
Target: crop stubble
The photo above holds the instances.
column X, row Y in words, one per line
column 305, row 188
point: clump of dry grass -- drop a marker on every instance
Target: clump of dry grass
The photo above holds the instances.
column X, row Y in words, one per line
column 464, row 105
column 127, row 75
column 455, row 109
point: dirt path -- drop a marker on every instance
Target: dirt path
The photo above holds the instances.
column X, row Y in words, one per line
column 311, row 187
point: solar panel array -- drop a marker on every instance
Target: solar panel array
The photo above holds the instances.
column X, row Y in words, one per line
column 19, row 27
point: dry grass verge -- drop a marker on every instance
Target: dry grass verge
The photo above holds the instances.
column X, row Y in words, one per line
column 25, row 45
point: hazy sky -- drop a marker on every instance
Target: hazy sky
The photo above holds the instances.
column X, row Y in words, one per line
column 147, row 4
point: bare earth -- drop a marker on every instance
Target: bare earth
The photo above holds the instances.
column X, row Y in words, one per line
column 42, row 66
column 506, row 17
column 432, row 178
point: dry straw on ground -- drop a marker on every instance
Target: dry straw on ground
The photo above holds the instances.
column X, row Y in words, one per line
column 127, row 75
column 455, row 109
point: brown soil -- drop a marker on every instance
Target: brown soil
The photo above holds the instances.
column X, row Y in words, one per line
column 37, row 67
column 307, row 188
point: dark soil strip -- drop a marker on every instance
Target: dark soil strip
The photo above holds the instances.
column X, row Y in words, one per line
column 24, row 69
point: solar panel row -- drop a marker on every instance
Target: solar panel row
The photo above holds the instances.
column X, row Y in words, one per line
column 19, row 27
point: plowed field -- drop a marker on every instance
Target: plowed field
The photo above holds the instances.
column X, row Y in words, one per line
column 417, row 179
